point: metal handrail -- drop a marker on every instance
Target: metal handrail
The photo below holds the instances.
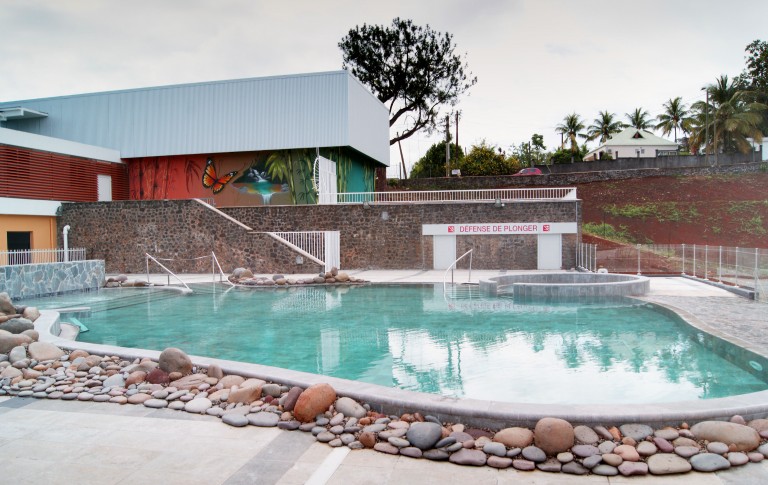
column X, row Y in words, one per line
column 453, row 266
column 215, row 260
column 149, row 256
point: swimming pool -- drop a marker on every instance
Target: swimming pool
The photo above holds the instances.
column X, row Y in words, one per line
column 411, row 337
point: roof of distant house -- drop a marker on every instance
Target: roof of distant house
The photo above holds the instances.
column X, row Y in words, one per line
column 633, row 136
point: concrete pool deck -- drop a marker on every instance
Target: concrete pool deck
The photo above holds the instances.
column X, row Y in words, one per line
column 81, row 442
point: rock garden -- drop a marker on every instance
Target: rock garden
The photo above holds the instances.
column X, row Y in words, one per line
column 33, row 369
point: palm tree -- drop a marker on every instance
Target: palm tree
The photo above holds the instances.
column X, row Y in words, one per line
column 639, row 119
column 572, row 127
column 675, row 115
column 731, row 118
column 604, row 126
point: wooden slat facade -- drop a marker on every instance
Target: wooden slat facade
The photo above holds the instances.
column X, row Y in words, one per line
column 33, row 174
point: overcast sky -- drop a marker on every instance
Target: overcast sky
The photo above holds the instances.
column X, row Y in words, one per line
column 535, row 60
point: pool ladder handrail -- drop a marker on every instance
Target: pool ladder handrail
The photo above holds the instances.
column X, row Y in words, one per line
column 149, row 256
column 222, row 276
column 453, row 266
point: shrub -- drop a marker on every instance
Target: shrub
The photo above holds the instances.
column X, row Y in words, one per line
column 432, row 164
column 484, row 159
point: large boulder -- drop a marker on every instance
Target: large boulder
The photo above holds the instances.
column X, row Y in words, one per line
column 743, row 438
column 245, row 395
column 350, row 408
column 424, row 435
column 9, row 340
column 42, row 351
column 514, row 437
column 314, row 400
column 553, row 435
column 175, row 360
column 6, row 306
column 31, row 313
column 17, row 325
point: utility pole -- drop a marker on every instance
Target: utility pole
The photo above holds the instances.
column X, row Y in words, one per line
column 402, row 159
column 447, row 146
column 457, row 131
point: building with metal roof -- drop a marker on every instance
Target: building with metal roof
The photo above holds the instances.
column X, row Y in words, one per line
column 238, row 142
column 632, row 142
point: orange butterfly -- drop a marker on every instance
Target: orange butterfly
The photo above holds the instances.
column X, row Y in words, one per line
column 212, row 181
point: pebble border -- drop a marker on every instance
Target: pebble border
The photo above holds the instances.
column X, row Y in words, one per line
column 554, row 445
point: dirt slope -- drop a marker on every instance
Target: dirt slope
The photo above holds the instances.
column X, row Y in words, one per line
column 728, row 210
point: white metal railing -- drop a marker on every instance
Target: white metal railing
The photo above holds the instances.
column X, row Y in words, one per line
column 322, row 247
column 38, row 256
column 586, row 257
column 441, row 196
column 741, row 267
column 452, row 267
column 170, row 273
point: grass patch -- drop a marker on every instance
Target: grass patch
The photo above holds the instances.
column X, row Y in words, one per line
column 607, row 231
column 661, row 211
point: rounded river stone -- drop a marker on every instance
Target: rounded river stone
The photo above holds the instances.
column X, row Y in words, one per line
column 424, row 435
column 709, row 462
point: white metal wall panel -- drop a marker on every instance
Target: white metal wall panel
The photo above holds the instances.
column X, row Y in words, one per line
column 368, row 117
column 301, row 111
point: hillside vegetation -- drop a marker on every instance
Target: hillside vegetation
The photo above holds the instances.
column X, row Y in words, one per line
column 727, row 210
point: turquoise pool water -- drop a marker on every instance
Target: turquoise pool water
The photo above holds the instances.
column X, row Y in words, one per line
column 412, row 337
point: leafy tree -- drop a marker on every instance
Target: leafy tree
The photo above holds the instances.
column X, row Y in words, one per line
column 639, row 119
column 675, row 115
column 572, row 127
column 731, row 115
column 566, row 156
column 604, row 126
column 413, row 70
column 484, row 159
column 755, row 77
column 530, row 153
column 432, row 164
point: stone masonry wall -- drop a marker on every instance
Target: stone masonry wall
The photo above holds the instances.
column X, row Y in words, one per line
column 44, row 279
column 379, row 237
column 578, row 173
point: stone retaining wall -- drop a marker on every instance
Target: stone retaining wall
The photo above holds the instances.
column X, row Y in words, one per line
column 578, row 173
column 378, row 237
column 34, row 280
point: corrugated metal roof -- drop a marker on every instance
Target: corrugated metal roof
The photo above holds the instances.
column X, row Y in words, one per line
column 269, row 113
column 633, row 136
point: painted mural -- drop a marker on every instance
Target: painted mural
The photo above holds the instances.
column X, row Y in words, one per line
column 281, row 177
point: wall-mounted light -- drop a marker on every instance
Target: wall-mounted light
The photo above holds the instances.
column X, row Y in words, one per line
column 498, row 204
column 385, row 216
column 299, row 260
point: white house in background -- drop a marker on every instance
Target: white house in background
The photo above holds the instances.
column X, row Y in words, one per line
column 632, row 143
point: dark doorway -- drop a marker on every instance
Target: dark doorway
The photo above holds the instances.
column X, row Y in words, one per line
column 20, row 241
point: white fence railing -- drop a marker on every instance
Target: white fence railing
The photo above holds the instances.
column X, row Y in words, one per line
column 742, row 267
column 586, row 256
column 38, row 256
column 442, row 196
column 322, row 247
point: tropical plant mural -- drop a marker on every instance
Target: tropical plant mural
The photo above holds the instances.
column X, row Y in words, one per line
column 279, row 177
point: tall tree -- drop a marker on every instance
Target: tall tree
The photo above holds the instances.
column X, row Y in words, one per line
column 755, row 76
column 675, row 115
column 604, row 126
column 413, row 70
column 639, row 119
column 730, row 118
column 571, row 128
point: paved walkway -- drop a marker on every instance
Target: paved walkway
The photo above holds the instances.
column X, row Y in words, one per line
column 57, row 442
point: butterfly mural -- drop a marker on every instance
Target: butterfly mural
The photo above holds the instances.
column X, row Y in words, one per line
column 213, row 181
